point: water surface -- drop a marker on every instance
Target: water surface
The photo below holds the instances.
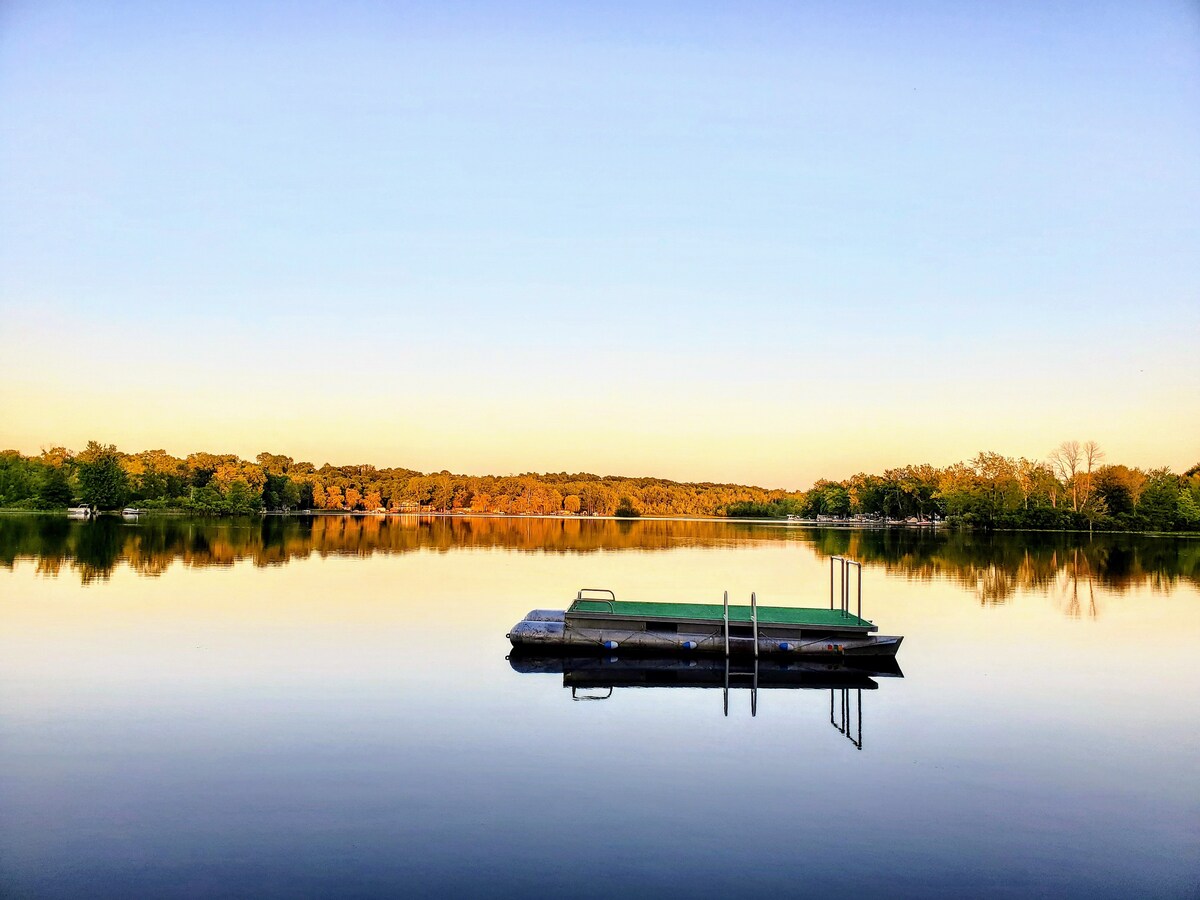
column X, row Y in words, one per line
column 302, row 707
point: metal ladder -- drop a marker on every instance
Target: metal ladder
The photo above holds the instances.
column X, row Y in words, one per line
column 843, row 721
column 752, row 674
column 753, row 622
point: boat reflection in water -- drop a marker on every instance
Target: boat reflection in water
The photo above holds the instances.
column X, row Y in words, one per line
column 597, row 677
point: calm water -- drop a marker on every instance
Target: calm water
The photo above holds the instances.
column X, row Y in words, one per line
column 324, row 707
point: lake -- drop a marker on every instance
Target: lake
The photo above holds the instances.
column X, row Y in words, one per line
column 302, row 707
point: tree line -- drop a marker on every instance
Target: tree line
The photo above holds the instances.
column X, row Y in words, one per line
column 1073, row 488
column 224, row 484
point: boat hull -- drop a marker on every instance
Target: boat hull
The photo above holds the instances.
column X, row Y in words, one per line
column 553, row 629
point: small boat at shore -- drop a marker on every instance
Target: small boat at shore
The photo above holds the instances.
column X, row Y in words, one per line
column 604, row 623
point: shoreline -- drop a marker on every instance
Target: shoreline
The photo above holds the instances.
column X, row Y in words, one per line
column 360, row 514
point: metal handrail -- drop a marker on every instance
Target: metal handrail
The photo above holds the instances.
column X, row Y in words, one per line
column 754, row 685
column 844, row 725
column 754, row 621
column 849, row 563
column 831, row 559
column 726, row 617
column 574, row 696
column 727, row 671
column 845, row 584
column 611, row 608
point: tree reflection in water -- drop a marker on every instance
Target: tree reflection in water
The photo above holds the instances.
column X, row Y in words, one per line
column 994, row 566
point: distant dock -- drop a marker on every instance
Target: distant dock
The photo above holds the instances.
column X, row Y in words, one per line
column 865, row 522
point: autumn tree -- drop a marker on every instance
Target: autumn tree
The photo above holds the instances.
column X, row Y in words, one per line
column 1026, row 473
column 997, row 478
column 274, row 464
column 1120, row 487
column 957, row 489
column 156, row 475
column 442, row 492
column 56, row 456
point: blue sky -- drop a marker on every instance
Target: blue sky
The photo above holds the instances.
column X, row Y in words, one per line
column 755, row 242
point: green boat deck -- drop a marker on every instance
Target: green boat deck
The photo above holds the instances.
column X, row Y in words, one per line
column 710, row 612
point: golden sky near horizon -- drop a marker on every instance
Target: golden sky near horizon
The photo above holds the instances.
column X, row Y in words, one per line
column 777, row 428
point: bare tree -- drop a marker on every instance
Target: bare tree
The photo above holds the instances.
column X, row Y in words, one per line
column 1065, row 459
column 1092, row 454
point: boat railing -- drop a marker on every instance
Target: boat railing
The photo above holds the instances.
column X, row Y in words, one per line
column 845, row 584
column 611, row 607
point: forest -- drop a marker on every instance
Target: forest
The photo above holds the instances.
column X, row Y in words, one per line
column 1073, row 488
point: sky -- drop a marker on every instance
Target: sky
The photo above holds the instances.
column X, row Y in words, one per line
column 750, row 242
